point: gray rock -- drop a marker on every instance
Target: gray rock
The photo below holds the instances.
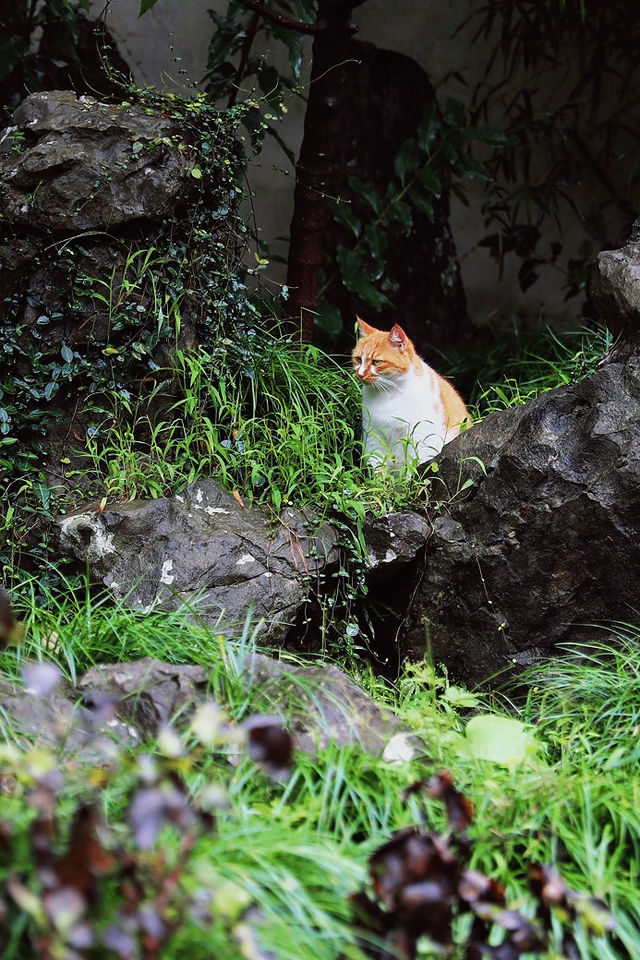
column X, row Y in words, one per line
column 394, row 541
column 615, row 289
column 325, row 704
column 58, row 722
column 90, row 166
column 319, row 704
column 149, row 692
column 204, row 548
column 546, row 540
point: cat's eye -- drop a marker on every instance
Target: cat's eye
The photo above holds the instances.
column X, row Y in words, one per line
column 374, row 363
column 357, row 360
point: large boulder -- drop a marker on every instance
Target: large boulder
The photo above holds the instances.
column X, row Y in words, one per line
column 545, row 542
column 72, row 163
column 205, row 548
column 113, row 222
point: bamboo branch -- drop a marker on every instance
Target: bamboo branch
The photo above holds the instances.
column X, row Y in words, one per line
column 279, row 19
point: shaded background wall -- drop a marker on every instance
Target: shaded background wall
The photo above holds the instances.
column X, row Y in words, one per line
column 168, row 47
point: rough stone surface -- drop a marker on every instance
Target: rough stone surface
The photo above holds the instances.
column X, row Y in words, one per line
column 59, row 722
column 319, row 704
column 394, row 541
column 149, row 692
column 90, row 166
column 546, row 541
column 615, row 287
column 127, row 703
column 204, row 548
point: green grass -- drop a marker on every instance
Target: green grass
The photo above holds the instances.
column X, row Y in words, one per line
column 276, row 422
column 509, row 370
column 298, row 848
column 259, row 415
column 280, row 424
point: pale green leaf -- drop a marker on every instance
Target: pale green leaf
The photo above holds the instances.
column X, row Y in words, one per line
column 502, row 740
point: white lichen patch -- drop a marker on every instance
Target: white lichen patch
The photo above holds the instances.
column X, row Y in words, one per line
column 212, row 510
column 376, row 559
column 165, row 574
column 245, row 558
column 90, row 533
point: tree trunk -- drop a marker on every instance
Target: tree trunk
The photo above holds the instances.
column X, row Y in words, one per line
column 315, row 180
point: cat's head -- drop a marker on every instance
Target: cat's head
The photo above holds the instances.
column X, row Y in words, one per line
column 380, row 354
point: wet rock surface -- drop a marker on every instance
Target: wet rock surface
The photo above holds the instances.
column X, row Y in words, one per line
column 615, row 287
column 546, row 541
column 203, row 548
column 85, row 165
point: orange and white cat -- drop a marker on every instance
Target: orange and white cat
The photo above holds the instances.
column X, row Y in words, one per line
column 408, row 410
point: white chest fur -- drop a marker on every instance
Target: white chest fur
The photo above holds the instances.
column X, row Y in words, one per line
column 403, row 417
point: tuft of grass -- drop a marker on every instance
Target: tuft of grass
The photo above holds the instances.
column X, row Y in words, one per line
column 276, row 421
column 280, row 423
column 576, row 801
column 517, row 368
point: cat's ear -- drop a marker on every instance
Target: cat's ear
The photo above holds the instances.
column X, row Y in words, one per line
column 397, row 337
column 365, row 328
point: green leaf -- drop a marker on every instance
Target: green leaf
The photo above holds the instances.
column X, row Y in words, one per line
column 458, row 697
column 305, row 10
column 401, row 213
column 407, row 160
column 472, row 169
column 421, row 201
column 343, row 214
column 357, row 280
column 377, row 241
column 351, row 266
column 429, row 130
column 367, row 192
column 50, row 390
column 454, row 114
column 502, row 740
column 431, row 181
column 146, row 5
column 67, row 353
column 492, row 136
column 294, row 42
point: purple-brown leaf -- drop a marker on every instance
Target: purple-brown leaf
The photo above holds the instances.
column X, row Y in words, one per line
column 269, row 744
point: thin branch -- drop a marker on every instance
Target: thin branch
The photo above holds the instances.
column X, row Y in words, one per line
column 279, row 19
